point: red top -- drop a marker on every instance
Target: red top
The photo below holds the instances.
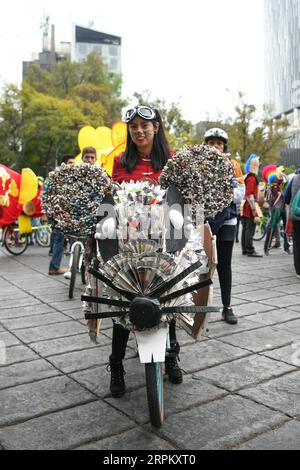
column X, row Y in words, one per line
column 251, row 188
column 142, row 172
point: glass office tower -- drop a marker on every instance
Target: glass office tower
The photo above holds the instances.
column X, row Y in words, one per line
column 282, row 62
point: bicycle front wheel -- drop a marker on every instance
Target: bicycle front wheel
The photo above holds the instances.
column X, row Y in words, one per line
column 260, row 233
column 14, row 241
column 74, row 269
column 155, row 392
column 43, row 235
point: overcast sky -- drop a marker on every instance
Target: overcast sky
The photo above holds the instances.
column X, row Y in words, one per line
column 190, row 51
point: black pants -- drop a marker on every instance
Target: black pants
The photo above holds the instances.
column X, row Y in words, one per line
column 224, row 251
column 120, row 339
column 296, row 245
column 248, row 234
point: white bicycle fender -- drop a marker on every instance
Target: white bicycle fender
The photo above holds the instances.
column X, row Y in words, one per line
column 152, row 345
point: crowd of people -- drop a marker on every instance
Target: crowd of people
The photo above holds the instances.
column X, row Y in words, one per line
column 147, row 152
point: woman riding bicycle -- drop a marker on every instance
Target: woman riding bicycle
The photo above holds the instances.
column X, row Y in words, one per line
column 146, row 154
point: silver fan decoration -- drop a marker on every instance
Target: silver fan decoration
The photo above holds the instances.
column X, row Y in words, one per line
column 142, row 268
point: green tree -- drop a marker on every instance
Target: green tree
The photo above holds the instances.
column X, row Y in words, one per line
column 11, row 123
column 50, row 129
column 40, row 121
column 250, row 133
column 95, row 90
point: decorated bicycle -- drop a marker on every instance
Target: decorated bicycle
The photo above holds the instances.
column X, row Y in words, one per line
column 147, row 262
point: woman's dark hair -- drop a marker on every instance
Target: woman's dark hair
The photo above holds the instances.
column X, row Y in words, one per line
column 160, row 151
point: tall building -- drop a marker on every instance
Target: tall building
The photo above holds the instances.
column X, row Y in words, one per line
column 86, row 40
column 282, row 67
column 51, row 54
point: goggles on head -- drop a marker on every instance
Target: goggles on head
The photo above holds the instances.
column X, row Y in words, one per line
column 145, row 112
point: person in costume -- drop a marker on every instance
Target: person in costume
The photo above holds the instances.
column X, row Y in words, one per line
column 291, row 192
column 147, row 152
column 224, row 226
column 276, row 180
column 250, row 216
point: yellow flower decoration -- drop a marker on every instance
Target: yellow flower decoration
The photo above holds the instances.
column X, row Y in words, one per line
column 13, row 189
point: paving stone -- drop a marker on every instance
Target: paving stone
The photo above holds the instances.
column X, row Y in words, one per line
column 289, row 354
column 274, row 317
column 262, row 339
column 292, row 326
column 221, row 328
column 69, row 328
column 66, row 429
column 250, row 279
column 81, row 360
column 220, row 424
column 75, row 314
column 38, row 291
column 177, row 398
column 240, row 289
column 17, row 354
column 281, row 394
column 135, row 439
column 284, row 301
column 34, row 320
column 19, row 303
column 184, row 338
column 291, row 288
column 295, row 308
column 287, row 437
column 263, row 294
column 97, row 379
column 244, row 372
column 28, row 311
column 53, row 297
column 26, row 372
column 235, row 302
column 9, row 340
column 63, row 345
column 12, row 294
column 252, row 308
column 208, row 354
column 67, row 305
column 273, row 283
column 29, row 401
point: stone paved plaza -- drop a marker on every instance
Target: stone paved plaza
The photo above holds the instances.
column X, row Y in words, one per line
column 241, row 385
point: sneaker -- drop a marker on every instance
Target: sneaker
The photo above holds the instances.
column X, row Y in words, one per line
column 173, row 370
column 68, row 275
column 117, row 383
column 53, row 272
column 228, row 316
